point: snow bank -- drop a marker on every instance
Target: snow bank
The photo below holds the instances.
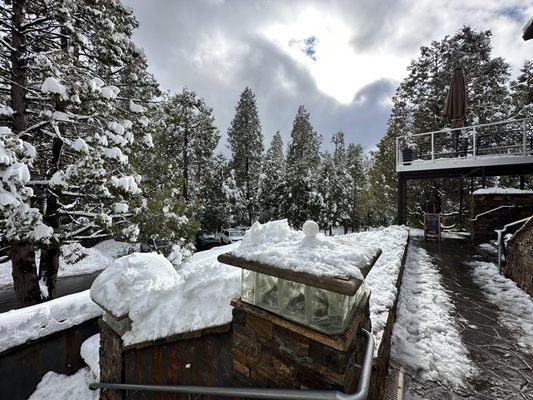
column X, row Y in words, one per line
column 383, row 276
column 499, row 190
column 275, row 243
column 76, row 259
column 161, row 301
column 30, row 323
column 55, row 386
column 90, row 352
column 425, row 339
column 516, row 306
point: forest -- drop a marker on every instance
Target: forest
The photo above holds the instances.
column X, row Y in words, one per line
column 92, row 148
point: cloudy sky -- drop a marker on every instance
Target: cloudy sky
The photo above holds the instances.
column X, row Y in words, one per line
column 342, row 59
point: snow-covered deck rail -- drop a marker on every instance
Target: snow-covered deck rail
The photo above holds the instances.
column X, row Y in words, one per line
column 498, row 143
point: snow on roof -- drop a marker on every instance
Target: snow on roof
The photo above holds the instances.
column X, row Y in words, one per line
column 309, row 251
column 162, row 301
column 499, row 190
column 30, row 323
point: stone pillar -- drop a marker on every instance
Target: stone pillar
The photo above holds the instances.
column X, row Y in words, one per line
column 270, row 351
column 111, row 364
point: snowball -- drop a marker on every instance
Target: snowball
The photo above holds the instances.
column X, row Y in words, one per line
column 52, row 85
column 310, row 229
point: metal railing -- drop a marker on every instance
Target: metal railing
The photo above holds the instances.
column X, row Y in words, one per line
column 361, row 392
column 501, row 239
column 506, row 138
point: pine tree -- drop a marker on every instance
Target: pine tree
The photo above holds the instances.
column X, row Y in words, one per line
column 272, row 181
column 357, row 169
column 186, row 140
column 246, row 144
column 302, row 200
column 79, row 97
column 522, row 91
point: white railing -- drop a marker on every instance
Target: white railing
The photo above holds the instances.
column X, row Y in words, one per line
column 506, row 138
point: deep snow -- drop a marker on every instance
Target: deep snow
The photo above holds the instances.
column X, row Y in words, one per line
column 55, row 386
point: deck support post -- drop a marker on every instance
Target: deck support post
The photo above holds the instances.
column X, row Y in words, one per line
column 460, row 204
column 522, row 182
column 402, row 183
column 483, row 180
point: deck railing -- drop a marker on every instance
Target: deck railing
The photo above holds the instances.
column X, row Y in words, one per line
column 506, row 138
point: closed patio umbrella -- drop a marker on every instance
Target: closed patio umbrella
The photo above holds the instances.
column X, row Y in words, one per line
column 455, row 107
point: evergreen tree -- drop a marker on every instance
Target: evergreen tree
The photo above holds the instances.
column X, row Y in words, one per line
column 358, row 210
column 186, row 140
column 522, row 91
column 78, row 93
column 302, row 199
column 272, row 181
column 246, row 144
column 418, row 105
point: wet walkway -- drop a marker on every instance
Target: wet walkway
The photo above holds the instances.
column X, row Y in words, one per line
column 503, row 368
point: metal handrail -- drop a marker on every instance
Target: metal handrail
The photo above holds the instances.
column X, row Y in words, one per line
column 491, row 211
column 501, row 243
column 361, row 393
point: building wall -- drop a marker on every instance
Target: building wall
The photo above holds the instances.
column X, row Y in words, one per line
column 519, row 266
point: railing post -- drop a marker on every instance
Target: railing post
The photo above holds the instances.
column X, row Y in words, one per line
column 524, row 137
column 474, row 142
column 432, row 146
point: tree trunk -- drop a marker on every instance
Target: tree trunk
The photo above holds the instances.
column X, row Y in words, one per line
column 49, row 266
column 24, row 274
column 22, row 253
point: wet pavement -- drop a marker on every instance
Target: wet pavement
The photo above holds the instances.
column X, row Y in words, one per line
column 503, row 368
column 65, row 285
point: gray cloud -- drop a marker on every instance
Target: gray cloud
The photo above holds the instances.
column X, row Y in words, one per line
column 217, row 48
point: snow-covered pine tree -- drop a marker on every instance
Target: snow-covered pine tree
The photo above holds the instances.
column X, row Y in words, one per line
column 77, row 73
column 234, row 196
column 246, row 145
column 326, row 199
column 419, row 102
column 342, row 183
column 357, row 169
column 272, row 181
column 522, row 91
column 186, row 140
column 302, row 200
column 215, row 208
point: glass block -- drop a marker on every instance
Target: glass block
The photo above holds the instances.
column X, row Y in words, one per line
column 267, row 292
column 293, row 300
column 327, row 310
column 352, row 302
column 248, row 286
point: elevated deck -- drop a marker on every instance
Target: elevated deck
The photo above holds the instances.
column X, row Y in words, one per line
column 501, row 148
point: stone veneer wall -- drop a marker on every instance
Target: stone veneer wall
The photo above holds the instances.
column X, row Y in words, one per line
column 519, row 266
column 270, row 351
column 201, row 358
column 482, row 230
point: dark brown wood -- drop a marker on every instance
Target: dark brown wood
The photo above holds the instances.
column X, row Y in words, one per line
column 343, row 286
column 25, row 281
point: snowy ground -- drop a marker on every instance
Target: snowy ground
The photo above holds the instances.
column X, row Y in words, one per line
column 425, row 339
column 77, row 260
column 417, row 232
column 516, row 306
column 55, row 386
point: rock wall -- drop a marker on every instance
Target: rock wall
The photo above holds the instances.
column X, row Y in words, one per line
column 519, row 265
column 270, row 351
column 482, row 228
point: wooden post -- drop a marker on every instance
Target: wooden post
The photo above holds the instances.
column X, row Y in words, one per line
column 522, row 182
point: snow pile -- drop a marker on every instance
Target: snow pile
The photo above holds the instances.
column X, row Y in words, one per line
column 52, row 85
column 516, row 305
column 500, row 190
column 275, row 243
column 383, row 276
column 55, row 386
column 30, row 323
column 425, row 339
column 90, row 352
column 161, row 301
